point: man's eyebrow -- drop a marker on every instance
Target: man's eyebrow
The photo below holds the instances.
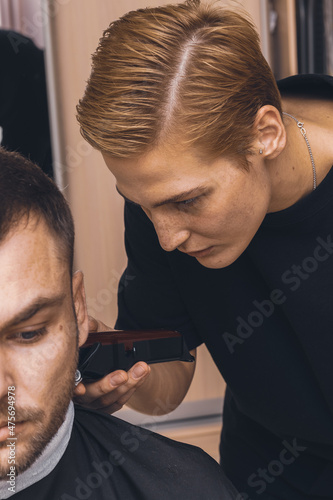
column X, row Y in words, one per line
column 173, row 199
column 32, row 309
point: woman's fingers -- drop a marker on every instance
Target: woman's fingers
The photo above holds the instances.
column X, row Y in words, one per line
column 114, row 390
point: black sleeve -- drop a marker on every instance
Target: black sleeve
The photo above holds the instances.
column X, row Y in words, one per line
column 148, row 296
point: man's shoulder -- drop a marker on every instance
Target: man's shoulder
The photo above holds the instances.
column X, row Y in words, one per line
column 110, row 431
column 151, row 461
column 110, row 459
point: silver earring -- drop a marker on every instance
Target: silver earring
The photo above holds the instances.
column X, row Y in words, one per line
column 78, row 377
column 260, row 151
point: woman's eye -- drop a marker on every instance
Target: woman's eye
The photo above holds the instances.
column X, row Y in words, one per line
column 189, row 202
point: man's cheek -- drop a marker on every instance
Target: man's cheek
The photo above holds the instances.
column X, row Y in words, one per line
column 41, row 360
column 37, row 359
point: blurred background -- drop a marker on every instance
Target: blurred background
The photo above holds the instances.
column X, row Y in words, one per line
column 45, row 54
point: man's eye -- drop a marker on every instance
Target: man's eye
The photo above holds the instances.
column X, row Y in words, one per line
column 29, row 336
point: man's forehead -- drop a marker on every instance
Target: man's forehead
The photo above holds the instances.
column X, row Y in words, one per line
column 29, row 240
column 30, row 266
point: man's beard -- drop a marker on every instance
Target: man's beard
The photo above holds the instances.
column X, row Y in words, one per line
column 26, row 453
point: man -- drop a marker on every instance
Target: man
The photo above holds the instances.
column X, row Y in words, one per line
column 48, row 449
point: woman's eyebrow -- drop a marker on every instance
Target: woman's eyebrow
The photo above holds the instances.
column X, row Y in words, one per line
column 173, row 199
column 125, row 198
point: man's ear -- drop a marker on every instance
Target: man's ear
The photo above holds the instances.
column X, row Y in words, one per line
column 270, row 132
column 79, row 299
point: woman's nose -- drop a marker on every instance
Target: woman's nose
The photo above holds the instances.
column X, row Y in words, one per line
column 170, row 233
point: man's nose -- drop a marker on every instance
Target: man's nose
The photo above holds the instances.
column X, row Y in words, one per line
column 171, row 232
column 5, row 380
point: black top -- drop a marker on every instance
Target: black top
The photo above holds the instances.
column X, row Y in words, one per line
column 109, row 459
column 267, row 322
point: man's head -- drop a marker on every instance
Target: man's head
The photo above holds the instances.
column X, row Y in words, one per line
column 186, row 72
column 43, row 316
column 26, row 193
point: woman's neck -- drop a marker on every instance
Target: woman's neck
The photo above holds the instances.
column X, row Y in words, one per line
column 292, row 171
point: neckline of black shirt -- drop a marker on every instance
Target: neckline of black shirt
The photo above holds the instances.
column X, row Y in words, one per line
column 304, row 208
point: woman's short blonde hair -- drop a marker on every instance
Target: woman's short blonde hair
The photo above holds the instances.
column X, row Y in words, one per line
column 189, row 70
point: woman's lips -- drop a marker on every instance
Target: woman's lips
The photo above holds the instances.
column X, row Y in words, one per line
column 200, row 253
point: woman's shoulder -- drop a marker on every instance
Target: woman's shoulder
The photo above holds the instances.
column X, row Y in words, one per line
column 307, row 85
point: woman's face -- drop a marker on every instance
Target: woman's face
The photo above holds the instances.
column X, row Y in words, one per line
column 209, row 210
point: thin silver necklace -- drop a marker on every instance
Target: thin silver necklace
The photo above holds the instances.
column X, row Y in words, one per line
column 300, row 125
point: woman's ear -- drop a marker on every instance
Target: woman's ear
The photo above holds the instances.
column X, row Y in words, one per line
column 80, row 306
column 270, row 132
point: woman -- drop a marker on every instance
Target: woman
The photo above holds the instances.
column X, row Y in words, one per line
column 228, row 232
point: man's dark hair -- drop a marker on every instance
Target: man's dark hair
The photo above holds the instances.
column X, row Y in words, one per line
column 26, row 191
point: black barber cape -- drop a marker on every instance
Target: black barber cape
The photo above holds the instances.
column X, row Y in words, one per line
column 109, row 459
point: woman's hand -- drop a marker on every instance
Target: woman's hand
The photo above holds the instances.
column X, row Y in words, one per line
column 115, row 389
